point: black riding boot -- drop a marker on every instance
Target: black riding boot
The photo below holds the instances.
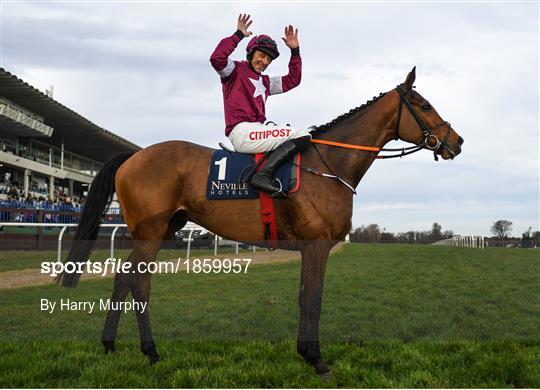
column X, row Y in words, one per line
column 263, row 180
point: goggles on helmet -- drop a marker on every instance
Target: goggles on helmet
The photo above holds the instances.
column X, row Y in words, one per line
column 265, row 44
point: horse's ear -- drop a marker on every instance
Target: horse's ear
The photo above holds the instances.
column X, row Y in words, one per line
column 410, row 79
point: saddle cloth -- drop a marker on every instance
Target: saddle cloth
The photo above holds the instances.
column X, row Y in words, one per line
column 229, row 174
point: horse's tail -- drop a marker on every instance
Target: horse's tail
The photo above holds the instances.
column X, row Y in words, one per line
column 99, row 197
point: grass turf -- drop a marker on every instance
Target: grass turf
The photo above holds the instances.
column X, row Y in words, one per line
column 393, row 316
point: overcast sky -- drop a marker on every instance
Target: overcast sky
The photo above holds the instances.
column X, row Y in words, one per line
column 141, row 70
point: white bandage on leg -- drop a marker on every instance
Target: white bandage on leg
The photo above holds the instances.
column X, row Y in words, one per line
column 255, row 137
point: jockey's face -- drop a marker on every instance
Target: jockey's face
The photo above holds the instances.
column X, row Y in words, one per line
column 260, row 61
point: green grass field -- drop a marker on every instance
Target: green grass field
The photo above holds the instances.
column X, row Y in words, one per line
column 393, row 316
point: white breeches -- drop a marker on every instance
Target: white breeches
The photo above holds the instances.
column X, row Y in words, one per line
column 256, row 137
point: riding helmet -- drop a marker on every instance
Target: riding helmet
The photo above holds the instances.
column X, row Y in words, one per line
column 263, row 43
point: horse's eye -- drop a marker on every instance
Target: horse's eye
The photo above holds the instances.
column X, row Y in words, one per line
column 426, row 107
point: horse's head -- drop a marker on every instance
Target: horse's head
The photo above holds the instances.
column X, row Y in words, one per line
column 419, row 123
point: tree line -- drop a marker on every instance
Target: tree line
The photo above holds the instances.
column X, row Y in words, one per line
column 500, row 229
column 373, row 234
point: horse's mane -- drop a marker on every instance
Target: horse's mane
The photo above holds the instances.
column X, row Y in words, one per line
column 327, row 126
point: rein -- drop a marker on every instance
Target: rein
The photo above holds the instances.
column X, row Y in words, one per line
column 404, row 151
column 347, row 146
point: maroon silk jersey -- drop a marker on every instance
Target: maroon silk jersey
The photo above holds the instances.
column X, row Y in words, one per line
column 244, row 91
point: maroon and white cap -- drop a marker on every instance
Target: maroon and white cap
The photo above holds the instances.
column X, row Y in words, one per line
column 265, row 44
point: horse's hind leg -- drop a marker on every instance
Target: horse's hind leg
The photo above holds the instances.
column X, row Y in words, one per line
column 120, row 290
column 140, row 286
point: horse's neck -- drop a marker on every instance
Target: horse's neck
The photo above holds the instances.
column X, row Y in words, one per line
column 372, row 127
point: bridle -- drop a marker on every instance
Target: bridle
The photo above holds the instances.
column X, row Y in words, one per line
column 424, row 144
column 426, row 132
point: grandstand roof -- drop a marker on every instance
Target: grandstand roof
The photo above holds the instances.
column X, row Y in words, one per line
column 80, row 135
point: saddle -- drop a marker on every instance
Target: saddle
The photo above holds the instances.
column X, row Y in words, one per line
column 230, row 172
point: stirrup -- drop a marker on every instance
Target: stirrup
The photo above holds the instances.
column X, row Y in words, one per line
column 280, row 192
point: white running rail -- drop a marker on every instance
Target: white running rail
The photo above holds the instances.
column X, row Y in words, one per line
column 469, row 241
column 190, row 226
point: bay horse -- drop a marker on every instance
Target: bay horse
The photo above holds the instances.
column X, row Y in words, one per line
column 163, row 186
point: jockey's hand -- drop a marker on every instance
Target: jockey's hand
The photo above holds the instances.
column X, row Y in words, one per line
column 244, row 23
column 291, row 37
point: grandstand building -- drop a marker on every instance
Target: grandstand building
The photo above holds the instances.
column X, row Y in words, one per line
column 48, row 151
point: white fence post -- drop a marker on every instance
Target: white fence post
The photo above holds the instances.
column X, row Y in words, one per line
column 59, row 254
column 464, row 242
column 188, row 252
column 112, row 240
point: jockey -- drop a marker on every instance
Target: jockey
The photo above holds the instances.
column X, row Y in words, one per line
column 245, row 90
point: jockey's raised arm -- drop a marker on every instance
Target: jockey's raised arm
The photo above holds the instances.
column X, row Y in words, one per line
column 293, row 78
column 220, row 57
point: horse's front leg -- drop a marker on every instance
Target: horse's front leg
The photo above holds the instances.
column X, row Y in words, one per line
column 314, row 259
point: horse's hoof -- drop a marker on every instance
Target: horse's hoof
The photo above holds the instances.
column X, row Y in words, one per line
column 323, row 371
column 154, row 358
column 149, row 349
column 326, row 375
column 109, row 346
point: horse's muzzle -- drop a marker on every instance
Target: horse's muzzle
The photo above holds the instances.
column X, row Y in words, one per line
column 450, row 152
